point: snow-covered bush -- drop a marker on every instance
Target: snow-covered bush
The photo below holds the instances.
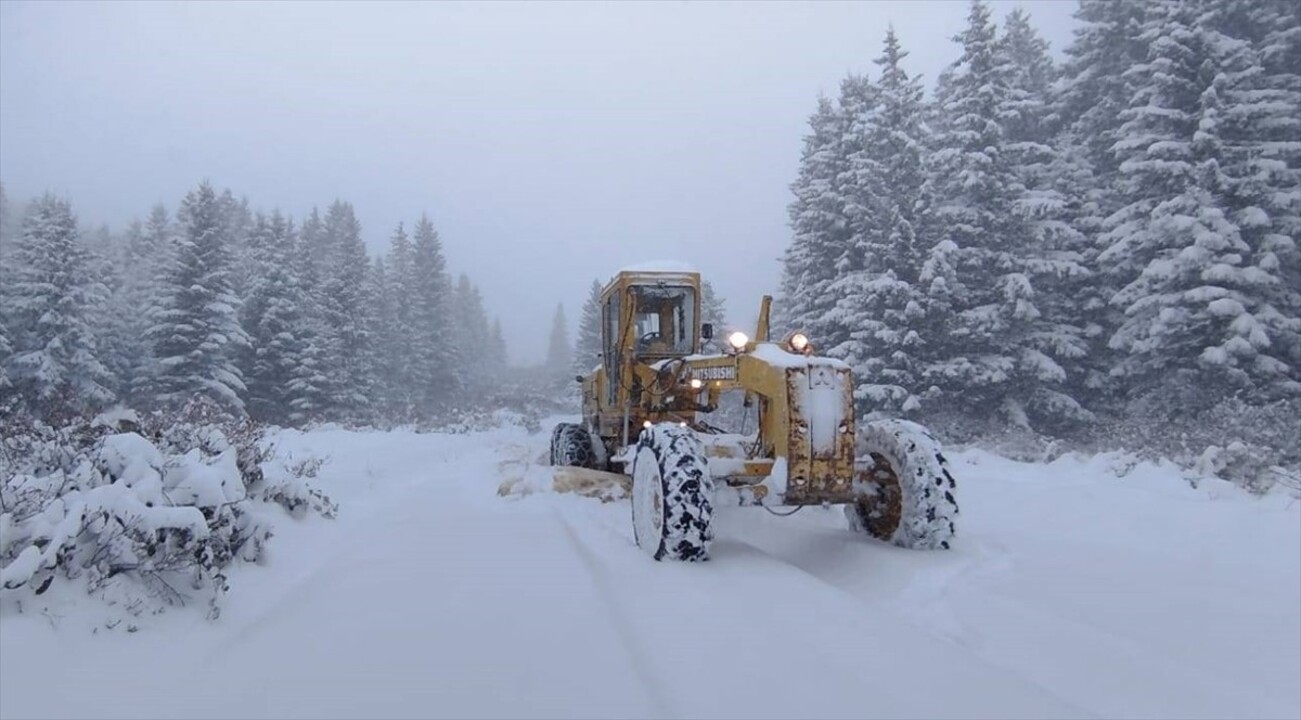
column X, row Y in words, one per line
column 1253, row 444
column 143, row 514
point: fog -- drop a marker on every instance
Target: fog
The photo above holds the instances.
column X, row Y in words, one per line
column 550, row 143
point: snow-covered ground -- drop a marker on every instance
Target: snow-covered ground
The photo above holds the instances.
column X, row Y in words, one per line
column 1072, row 593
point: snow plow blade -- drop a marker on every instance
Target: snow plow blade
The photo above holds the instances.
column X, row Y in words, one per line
column 605, row 486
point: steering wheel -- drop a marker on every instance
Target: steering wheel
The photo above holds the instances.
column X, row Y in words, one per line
column 648, row 338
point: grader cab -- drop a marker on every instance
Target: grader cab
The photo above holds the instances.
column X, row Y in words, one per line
column 644, row 415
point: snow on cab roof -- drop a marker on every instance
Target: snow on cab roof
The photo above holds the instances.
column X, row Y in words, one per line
column 670, row 266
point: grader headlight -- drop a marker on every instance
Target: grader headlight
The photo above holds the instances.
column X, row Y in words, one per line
column 738, row 340
column 798, row 343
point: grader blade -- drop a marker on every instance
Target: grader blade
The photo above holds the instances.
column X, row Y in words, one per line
column 604, row 486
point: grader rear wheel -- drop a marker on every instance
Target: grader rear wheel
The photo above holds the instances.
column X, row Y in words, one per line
column 571, row 446
column 907, row 497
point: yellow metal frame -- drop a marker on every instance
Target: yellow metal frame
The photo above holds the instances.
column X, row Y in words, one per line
column 659, row 390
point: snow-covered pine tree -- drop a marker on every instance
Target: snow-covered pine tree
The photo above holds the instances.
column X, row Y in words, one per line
column 879, row 301
column 559, row 352
column 313, row 383
column 272, row 317
column 147, row 266
column 1047, row 203
column 1093, row 91
column 54, row 367
column 120, row 332
column 438, row 353
column 470, row 327
column 818, row 225
column 7, row 232
column 345, row 308
column 196, row 335
column 854, row 195
column 498, row 355
column 398, row 360
column 989, row 360
column 392, row 398
column 1198, row 323
column 1259, row 47
column 238, row 219
column 1096, row 87
column 587, row 347
column 312, row 257
column 713, row 310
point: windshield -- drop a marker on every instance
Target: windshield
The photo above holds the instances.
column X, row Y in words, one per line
column 665, row 319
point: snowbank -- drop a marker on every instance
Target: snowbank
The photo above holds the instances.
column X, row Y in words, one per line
column 140, row 525
column 1085, row 587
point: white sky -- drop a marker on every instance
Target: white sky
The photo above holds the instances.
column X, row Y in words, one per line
column 549, row 142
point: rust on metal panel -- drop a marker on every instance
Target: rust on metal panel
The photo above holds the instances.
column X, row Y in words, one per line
column 819, row 475
column 879, row 496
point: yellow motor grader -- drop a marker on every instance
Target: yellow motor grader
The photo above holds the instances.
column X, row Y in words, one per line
column 642, row 414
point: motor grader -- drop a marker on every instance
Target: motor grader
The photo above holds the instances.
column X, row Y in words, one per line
column 644, row 415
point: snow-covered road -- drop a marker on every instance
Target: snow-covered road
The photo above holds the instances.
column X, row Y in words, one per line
column 1072, row 593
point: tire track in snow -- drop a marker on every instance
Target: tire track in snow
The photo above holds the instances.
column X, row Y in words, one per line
column 637, row 653
column 1119, row 661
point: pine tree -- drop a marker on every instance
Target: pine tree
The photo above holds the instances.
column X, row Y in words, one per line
column 470, row 327
column 120, row 333
column 438, row 353
column 1048, row 205
column 559, row 352
column 1194, row 292
column 54, row 365
column 272, row 317
column 498, row 355
column 314, row 390
column 137, row 297
column 1258, row 48
column 587, row 347
column 239, row 225
column 879, row 300
column 1097, row 86
column 993, row 355
column 6, row 231
column 345, row 308
column 197, row 335
column 398, row 357
column 392, row 396
column 819, row 228
column 713, row 310
column 1095, row 89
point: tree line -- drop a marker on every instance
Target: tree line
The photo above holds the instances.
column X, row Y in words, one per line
column 287, row 322
column 1052, row 246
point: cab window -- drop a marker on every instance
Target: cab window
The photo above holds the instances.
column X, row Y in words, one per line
column 665, row 319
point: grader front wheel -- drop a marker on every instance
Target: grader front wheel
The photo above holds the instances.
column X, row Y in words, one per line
column 905, row 492
column 672, row 495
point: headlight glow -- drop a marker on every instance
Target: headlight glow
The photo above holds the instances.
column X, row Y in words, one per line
column 696, row 383
column 738, row 340
column 799, row 341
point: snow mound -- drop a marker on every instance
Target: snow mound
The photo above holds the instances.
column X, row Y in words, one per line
column 139, row 526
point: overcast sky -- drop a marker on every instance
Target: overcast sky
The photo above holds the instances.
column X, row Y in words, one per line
column 550, row 143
